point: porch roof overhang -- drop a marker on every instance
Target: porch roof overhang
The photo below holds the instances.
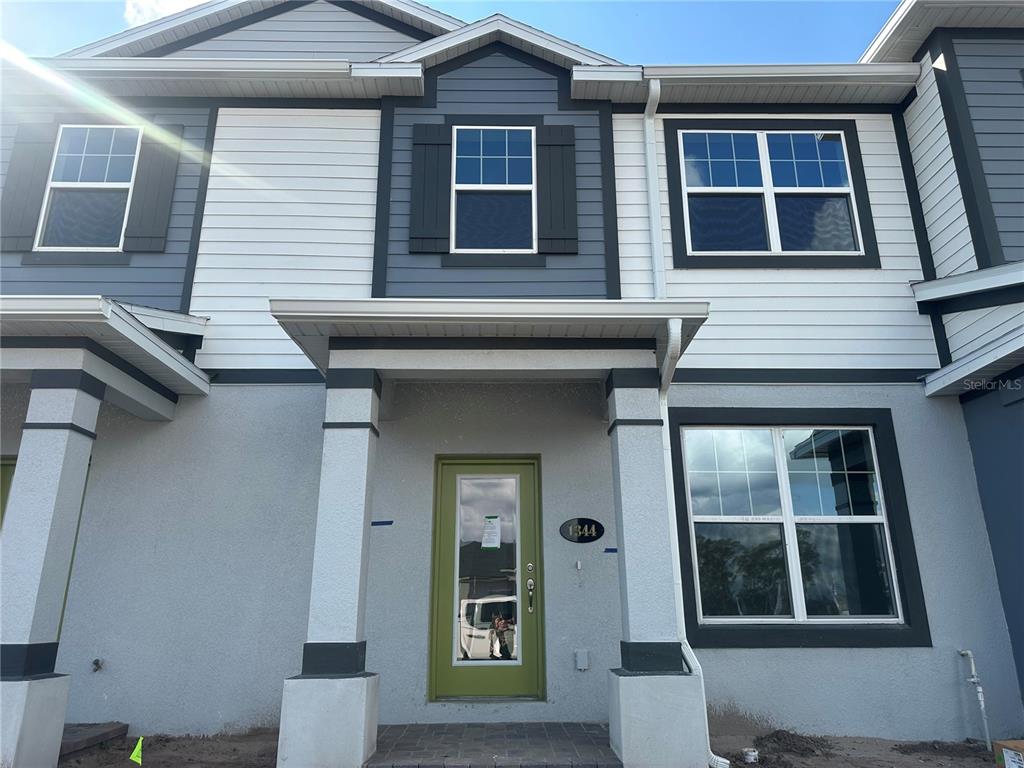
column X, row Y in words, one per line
column 42, row 332
column 976, row 370
column 668, row 325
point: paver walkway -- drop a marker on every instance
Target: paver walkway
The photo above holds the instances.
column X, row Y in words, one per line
column 473, row 745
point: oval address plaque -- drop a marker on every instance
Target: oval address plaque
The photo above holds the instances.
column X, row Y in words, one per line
column 581, row 530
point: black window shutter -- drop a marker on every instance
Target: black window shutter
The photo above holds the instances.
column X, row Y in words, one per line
column 25, row 185
column 429, row 225
column 150, row 211
column 556, row 189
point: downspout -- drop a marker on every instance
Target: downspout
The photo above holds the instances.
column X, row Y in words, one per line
column 653, row 196
column 673, row 351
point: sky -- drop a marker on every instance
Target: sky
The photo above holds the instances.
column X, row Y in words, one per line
column 644, row 32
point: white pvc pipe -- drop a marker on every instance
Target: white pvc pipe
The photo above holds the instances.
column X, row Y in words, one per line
column 976, row 681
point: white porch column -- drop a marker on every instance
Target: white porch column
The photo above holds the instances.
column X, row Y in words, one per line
column 657, row 711
column 36, row 547
column 329, row 712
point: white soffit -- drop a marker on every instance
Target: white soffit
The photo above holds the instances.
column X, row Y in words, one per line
column 914, row 20
column 498, row 28
column 232, row 78
column 971, row 372
column 139, row 40
column 976, row 281
column 312, row 322
column 745, row 84
column 109, row 324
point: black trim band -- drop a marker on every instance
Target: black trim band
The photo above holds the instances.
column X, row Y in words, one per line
column 354, row 378
column 25, row 660
column 493, row 342
column 59, row 425
column 352, row 425
column 798, row 375
column 69, row 379
column 993, row 297
column 104, row 354
column 264, row 376
column 320, row 659
column 635, row 423
column 631, row 378
column 653, row 658
column 914, row 632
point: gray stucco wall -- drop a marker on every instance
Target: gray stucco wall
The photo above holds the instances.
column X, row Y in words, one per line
column 191, row 578
column 992, row 71
column 499, row 85
column 995, row 425
column 151, row 279
column 910, row 693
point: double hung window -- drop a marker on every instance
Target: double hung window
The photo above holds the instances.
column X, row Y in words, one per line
column 494, row 190
column 89, row 188
column 768, row 192
column 788, row 525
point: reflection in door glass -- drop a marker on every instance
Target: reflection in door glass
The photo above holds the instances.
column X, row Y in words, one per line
column 486, row 597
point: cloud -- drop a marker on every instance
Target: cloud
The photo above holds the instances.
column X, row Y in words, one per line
column 140, row 11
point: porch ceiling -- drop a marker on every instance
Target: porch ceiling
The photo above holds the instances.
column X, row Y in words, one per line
column 311, row 323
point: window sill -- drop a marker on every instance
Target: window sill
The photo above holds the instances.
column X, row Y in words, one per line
column 788, row 261
column 83, row 258
column 808, row 636
column 534, row 260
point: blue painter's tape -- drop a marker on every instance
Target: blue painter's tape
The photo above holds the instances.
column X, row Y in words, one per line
column 382, row 522
column 611, row 549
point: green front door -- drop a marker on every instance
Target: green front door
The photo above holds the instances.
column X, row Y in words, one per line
column 487, row 611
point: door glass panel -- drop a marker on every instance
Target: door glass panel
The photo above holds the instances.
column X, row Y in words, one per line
column 486, row 588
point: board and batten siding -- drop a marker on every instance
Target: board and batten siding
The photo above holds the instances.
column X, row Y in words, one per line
column 969, row 331
column 319, row 30
column 499, row 85
column 992, row 73
column 289, row 214
column 941, row 196
column 788, row 318
column 150, row 279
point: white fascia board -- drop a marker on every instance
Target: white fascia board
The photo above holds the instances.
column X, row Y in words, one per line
column 885, row 34
column 622, row 73
column 135, row 67
column 177, row 373
column 783, row 74
column 986, row 362
column 498, row 23
column 194, row 16
column 380, row 69
column 484, row 311
column 989, row 279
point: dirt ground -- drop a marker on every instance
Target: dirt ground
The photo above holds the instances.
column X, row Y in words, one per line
column 730, row 734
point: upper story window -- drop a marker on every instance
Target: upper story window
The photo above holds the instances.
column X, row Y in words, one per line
column 89, row 188
column 788, row 524
column 768, row 192
column 494, row 194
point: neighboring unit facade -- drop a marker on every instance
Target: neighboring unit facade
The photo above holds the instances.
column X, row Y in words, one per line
column 320, row 319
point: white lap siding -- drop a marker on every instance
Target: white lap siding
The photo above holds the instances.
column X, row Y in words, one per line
column 971, row 330
column 788, row 318
column 942, row 200
column 289, row 214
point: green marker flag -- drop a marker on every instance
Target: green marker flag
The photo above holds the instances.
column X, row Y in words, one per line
column 136, row 756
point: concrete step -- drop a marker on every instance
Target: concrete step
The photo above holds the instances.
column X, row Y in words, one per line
column 79, row 736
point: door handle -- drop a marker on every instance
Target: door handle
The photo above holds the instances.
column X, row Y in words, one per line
column 530, row 585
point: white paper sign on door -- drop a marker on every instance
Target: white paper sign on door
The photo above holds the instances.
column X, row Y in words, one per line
column 492, row 533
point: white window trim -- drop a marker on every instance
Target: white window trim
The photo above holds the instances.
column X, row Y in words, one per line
column 531, row 187
column 51, row 185
column 789, row 521
column 768, row 191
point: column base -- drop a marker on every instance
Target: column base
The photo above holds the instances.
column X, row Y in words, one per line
column 658, row 720
column 328, row 722
column 32, row 714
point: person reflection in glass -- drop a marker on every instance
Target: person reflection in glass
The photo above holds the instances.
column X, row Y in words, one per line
column 502, row 634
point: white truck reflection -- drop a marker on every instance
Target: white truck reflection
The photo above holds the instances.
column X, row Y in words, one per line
column 480, row 637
